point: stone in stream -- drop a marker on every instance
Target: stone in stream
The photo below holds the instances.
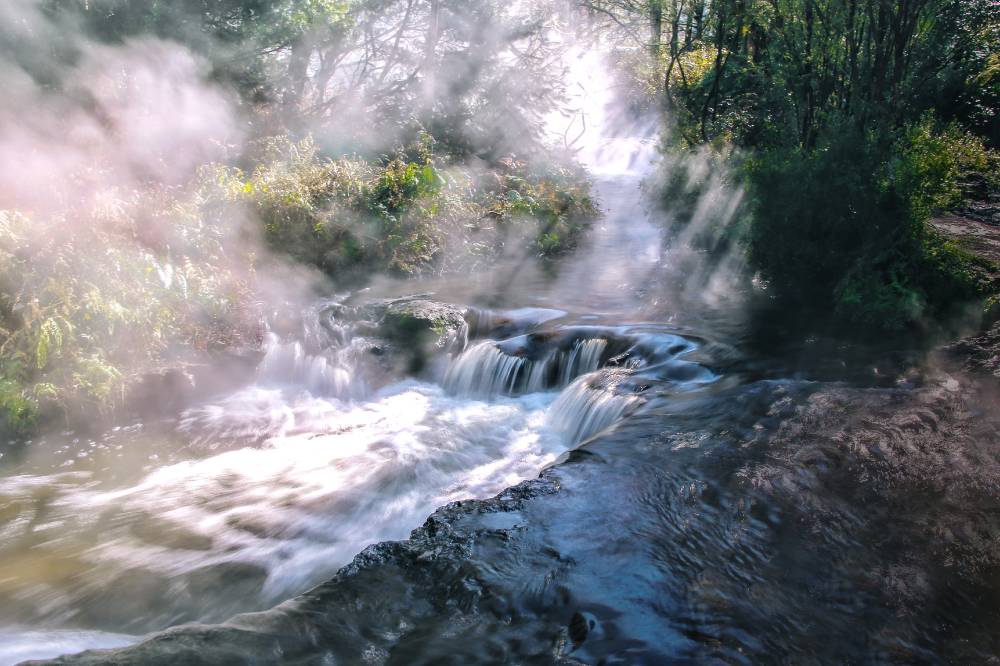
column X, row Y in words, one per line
column 442, row 324
column 418, row 328
column 499, row 324
column 580, row 626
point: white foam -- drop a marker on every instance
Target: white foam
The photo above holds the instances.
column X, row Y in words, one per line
column 17, row 645
column 334, row 478
column 584, row 410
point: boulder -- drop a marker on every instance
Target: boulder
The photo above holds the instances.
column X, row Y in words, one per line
column 419, row 329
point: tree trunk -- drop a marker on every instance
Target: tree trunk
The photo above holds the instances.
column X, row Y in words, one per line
column 655, row 28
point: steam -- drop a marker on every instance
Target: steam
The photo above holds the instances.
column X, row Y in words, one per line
column 122, row 117
column 97, row 137
column 674, row 247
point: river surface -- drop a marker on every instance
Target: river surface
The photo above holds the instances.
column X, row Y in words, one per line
column 696, row 505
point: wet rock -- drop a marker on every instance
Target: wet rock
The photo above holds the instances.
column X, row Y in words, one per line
column 579, row 628
column 384, row 596
column 419, row 329
column 978, row 354
column 498, row 324
column 440, row 323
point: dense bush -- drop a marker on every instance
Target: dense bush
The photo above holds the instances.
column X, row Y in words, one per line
column 91, row 298
column 828, row 99
column 844, row 227
column 410, row 213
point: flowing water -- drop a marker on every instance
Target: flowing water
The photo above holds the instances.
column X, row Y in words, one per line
column 694, row 506
column 257, row 495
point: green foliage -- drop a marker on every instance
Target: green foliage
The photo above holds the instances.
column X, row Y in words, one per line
column 898, row 289
column 85, row 309
column 301, row 16
column 831, row 101
column 786, row 72
column 930, row 163
column 844, row 227
column 18, row 412
column 411, row 213
column 557, row 198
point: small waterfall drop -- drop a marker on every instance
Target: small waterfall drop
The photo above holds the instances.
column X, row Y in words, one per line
column 584, row 409
column 322, row 374
column 585, row 358
column 485, row 369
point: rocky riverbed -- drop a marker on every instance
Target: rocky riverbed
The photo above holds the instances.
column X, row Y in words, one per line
column 769, row 520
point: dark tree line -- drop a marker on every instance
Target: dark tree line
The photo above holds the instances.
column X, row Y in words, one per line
column 754, row 68
column 857, row 120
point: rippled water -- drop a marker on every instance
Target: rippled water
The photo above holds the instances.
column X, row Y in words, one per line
column 258, row 495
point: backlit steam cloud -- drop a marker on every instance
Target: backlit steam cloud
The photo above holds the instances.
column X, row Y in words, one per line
column 121, row 116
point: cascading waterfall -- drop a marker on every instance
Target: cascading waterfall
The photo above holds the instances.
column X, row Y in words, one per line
column 581, row 410
column 585, row 358
column 485, row 369
column 288, row 363
column 586, row 408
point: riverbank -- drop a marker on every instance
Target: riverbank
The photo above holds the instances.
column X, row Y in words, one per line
column 136, row 302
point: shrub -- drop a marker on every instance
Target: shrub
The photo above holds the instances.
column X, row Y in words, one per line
column 929, row 164
column 814, row 214
column 844, row 227
column 410, row 213
column 88, row 305
column 18, row 412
